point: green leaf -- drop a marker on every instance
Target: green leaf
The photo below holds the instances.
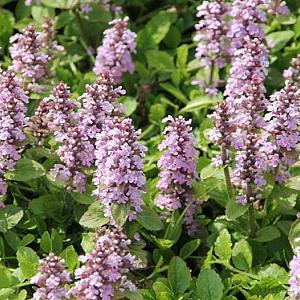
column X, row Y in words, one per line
column 223, row 246
column 5, row 293
column 28, row 261
column 294, row 234
column 120, row 213
column 175, row 92
column 25, row 170
column 277, row 40
column 6, row 26
column 267, row 234
column 65, row 4
column 209, row 286
column 3, row 221
column 39, row 13
column 182, row 55
column 179, row 276
column 71, row 258
column 189, row 248
column 157, row 113
column 130, row 104
column 199, row 103
column 6, row 278
column 56, row 241
column 162, row 289
column 13, row 215
column 242, row 255
column 87, row 243
column 158, row 27
column 27, row 239
column 235, row 210
column 94, row 216
column 293, row 183
column 149, row 219
column 12, row 239
column 160, row 61
column 46, row 244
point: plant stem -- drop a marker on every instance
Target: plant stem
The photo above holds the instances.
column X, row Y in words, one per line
column 251, row 216
column 20, row 285
column 226, row 171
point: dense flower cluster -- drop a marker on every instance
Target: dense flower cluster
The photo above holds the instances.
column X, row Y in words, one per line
column 282, row 122
column 75, row 152
column 51, row 279
column 119, row 159
column 104, row 269
column 293, row 72
column 12, row 122
column 177, row 166
column 48, row 41
column 100, row 102
column 248, row 172
column 108, row 5
column 115, row 52
column 54, row 113
column 27, row 57
column 31, row 53
column 246, row 21
column 277, row 7
column 212, row 44
column 294, row 281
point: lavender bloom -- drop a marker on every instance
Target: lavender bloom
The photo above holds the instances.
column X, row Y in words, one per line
column 248, row 172
column 99, row 102
column 27, row 57
column 119, row 159
column 210, row 34
column 85, row 8
column 115, row 53
column 54, row 113
column 212, row 50
column 246, row 21
column 282, row 121
column 51, row 279
column 47, row 39
column 109, row 6
column 105, row 268
column 12, row 122
column 294, row 286
column 76, row 153
column 277, row 7
column 293, row 72
column 177, row 167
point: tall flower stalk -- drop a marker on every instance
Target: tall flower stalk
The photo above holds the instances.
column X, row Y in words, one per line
column 212, row 43
column 119, row 178
column 178, row 170
column 104, row 270
column 114, row 54
column 13, row 120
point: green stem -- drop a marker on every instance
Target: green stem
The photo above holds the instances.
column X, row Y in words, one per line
column 146, row 131
column 251, row 218
column 224, row 158
column 20, row 285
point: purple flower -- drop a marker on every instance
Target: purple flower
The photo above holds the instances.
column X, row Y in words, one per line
column 111, row 7
column 277, row 7
column 212, row 49
column 99, row 102
column 247, row 16
column 115, row 53
column 54, row 113
column 177, row 168
column 12, row 122
column 249, row 169
column 27, row 57
column 282, row 122
column 32, row 53
column 119, row 159
column 294, row 286
column 293, row 72
column 105, row 268
column 86, row 8
column 51, row 279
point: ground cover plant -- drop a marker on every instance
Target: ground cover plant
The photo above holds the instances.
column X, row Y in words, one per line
column 149, row 150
